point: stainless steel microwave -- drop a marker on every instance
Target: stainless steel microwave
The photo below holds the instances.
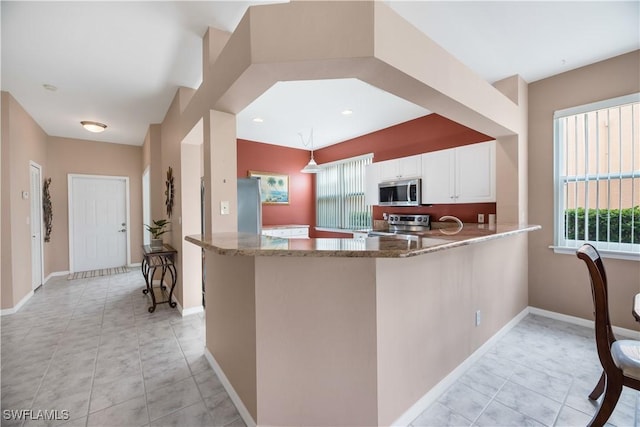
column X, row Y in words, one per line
column 400, row 193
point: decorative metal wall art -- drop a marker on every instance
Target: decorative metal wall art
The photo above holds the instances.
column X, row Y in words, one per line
column 169, row 192
column 47, row 210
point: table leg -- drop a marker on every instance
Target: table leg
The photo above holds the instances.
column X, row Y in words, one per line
column 153, row 296
column 145, row 274
column 173, row 272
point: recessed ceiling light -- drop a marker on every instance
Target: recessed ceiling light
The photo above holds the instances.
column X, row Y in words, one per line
column 47, row 86
column 95, row 127
column 258, row 119
column 347, row 112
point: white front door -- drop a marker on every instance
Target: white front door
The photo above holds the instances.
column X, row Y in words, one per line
column 97, row 222
column 36, row 225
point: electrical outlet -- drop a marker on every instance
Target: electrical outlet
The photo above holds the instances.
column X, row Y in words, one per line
column 480, row 218
column 478, row 318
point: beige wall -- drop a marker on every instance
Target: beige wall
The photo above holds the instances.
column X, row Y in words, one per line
column 22, row 141
column 231, row 322
column 189, row 294
column 425, row 309
column 316, row 341
column 559, row 282
column 74, row 156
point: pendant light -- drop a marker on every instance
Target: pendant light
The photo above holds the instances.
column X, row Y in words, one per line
column 312, row 166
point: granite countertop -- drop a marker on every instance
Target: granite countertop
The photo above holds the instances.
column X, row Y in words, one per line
column 245, row 244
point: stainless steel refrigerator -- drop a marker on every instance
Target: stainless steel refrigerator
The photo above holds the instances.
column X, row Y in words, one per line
column 249, row 206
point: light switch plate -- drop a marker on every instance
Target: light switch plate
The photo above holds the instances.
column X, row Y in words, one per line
column 480, row 218
column 224, row 207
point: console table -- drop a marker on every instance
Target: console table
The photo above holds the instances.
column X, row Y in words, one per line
column 164, row 259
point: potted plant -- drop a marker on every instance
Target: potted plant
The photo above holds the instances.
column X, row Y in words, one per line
column 157, row 229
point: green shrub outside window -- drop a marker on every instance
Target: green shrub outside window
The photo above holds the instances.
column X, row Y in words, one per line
column 605, row 225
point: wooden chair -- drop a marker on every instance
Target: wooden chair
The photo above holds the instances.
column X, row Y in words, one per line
column 620, row 359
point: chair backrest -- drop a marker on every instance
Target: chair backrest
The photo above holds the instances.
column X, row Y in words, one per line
column 604, row 333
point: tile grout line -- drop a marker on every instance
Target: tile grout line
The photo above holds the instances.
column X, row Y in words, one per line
column 33, row 401
column 564, row 402
column 492, row 399
column 144, row 385
column 95, row 363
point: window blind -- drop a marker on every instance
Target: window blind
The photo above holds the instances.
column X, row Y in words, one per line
column 598, row 175
column 340, row 188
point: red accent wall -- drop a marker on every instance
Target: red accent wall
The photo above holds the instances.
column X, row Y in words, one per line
column 422, row 135
column 253, row 156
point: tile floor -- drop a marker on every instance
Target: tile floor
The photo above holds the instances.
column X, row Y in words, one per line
column 90, row 346
column 539, row 374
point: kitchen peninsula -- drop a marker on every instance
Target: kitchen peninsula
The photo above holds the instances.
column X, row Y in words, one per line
column 354, row 331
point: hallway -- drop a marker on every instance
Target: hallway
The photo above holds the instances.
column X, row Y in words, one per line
column 90, row 347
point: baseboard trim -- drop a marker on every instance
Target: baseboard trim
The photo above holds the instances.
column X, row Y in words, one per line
column 436, row 391
column 244, row 413
column 624, row 332
column 54, row 274
column 192, row 310
column 188, row 311
column 18, row 306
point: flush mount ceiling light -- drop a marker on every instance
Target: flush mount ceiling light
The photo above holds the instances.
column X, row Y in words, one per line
column 347, row 112
column 258, row 119
column 312, row 166
column 93, row 126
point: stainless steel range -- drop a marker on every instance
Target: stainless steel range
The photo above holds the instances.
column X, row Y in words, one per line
column 409, row 223
column 405, row 225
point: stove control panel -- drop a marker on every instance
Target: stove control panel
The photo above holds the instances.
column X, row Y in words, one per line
column 410, row 220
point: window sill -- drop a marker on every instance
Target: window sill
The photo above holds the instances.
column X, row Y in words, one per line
column 629, row 256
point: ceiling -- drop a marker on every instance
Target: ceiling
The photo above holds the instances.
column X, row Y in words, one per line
column 120, row 63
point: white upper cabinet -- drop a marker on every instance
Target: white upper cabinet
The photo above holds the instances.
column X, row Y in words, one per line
column 438, row 176
column 403, row 168
column 464, row 174
column 476, row 173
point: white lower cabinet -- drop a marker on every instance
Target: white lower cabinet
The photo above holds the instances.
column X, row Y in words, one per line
column 464, row 174
column 287, row 232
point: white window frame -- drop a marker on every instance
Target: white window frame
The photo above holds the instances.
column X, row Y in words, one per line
column 561, row 245
column 341, row 227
